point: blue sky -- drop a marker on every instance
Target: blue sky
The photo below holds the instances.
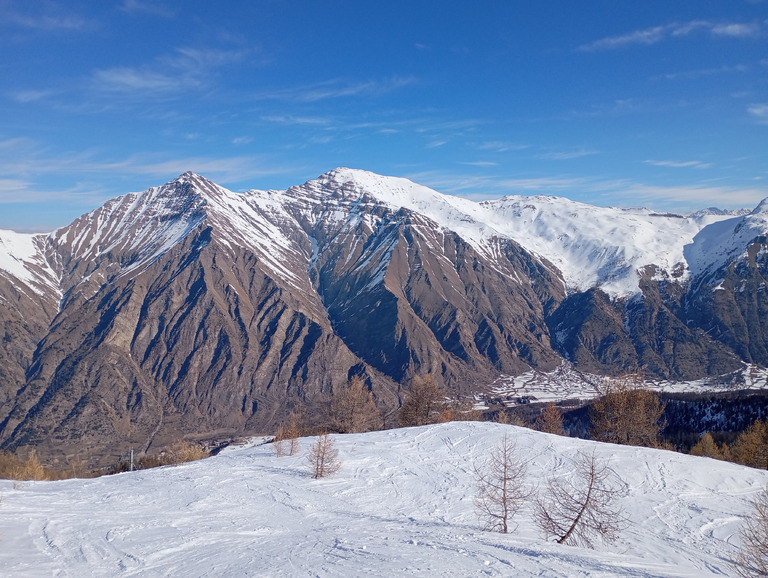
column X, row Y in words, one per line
column 655, row 103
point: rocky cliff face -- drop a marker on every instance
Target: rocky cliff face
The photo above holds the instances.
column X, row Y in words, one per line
column 191, row 310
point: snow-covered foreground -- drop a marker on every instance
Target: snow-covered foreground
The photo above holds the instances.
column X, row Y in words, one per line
column 401, row 504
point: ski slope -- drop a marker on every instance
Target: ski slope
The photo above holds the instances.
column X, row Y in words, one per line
column 402, row 504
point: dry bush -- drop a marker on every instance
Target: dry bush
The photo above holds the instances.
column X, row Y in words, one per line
column 578, row 510
column 550, row 420
column 753, row 556
column 626, row 414
column 501, row 490
column 182, row 451
column 323, row 457
column 353, row 409
column 423, row 404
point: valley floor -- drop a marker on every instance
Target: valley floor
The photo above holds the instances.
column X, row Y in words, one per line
column 401, row 504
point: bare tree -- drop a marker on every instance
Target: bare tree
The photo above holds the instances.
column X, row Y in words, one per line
column 501, row 490
column 577, row 510
column 550, row 420
column 423, row 404
column 353, row 409
column 626, row 414
column 323, row 457
column 753, row 556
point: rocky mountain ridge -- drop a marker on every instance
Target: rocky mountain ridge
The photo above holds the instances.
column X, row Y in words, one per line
column 193, row 310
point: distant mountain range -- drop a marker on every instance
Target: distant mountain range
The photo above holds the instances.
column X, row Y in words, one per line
column 190, row 309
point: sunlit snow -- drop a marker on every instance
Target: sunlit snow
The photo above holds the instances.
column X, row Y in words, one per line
column 401, row 504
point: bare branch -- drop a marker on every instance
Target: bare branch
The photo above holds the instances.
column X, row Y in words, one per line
column 576, row 511
column 753, row 557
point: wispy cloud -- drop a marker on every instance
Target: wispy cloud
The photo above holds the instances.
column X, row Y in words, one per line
column 291, row 120
column 736, row 30
column 679, row 164
column 47, row 20
column 704, row 72
column 595, row 190
column 500, row 146
column 566, row 155
column 760, row 111
column 656, row 34
column 695, row 197
column 134, row 80
column 334, row 89
column 26, row 96
column 185, row 69
column 647, row 36
column 153, row 8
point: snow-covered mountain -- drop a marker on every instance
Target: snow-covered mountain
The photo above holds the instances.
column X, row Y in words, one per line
column 401, row 504
column 191, row 308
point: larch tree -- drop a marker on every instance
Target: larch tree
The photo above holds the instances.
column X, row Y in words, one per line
column 286, row 440
column 423, row 404
column 579, row 509
column 501, row 489
column 323, row 457
column 751, row 447
column 353, row 409
column 550, row 420
column 707, row 447
column 626, row 414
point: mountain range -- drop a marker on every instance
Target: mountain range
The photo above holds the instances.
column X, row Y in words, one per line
column 191, row 310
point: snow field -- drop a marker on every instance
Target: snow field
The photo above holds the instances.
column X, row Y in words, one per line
column 402, row 504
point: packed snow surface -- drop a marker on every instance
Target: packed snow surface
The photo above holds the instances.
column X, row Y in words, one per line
column 401, row 504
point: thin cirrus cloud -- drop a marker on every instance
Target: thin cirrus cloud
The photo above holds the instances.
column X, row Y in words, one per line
column 759, row 111
column 566, row 155
column 679, row 164
column 186, row 68
column 48, row 22
column 656, row 34
column 594, row 190
column 336, row 88
column 124, row 79
column 153, row 8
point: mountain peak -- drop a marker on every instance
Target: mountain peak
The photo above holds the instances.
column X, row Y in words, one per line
column 196, row 184
column 761, row 208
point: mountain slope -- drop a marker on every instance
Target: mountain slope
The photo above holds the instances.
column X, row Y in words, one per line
column 401, row 504
column 193, row 310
